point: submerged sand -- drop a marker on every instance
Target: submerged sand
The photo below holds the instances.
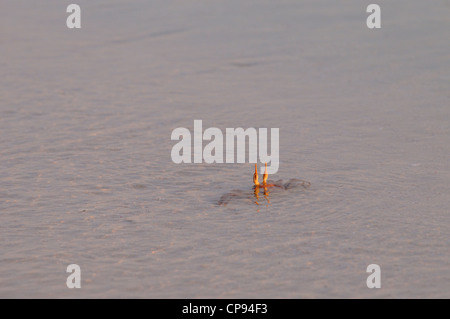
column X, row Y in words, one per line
column 86, row 175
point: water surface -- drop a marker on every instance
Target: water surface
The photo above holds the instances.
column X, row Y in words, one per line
column 86, row 175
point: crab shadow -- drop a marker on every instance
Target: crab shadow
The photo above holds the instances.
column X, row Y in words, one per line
column 261, row 193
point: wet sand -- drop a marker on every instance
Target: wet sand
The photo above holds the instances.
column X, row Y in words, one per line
column 86, row 175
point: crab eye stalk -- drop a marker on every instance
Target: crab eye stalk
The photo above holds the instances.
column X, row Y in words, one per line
column 266, row 175
column 255, row 176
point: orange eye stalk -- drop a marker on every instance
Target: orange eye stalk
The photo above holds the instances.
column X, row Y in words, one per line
column 265, row 176
column 255, row 176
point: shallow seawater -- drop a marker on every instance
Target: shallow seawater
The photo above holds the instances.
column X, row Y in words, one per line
column 86, row 175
